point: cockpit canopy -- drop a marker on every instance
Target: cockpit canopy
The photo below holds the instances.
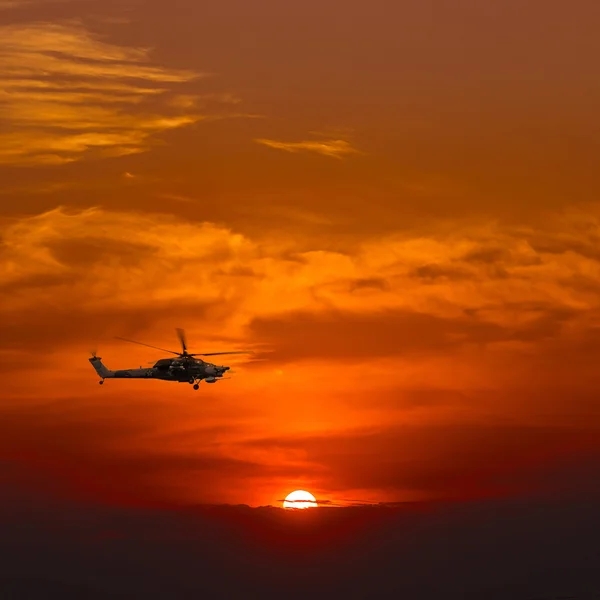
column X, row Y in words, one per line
column 163, row 363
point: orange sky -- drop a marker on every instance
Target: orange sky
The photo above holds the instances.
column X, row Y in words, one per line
column 398, row 200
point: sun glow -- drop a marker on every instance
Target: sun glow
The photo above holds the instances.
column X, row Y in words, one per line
column 300, row 499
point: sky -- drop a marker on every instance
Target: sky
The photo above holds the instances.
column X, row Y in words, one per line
column 394, row 204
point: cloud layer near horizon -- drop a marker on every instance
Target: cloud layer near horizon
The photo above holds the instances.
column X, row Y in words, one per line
column 478, row 547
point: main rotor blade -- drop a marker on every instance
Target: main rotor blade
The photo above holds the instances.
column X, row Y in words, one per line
column 181, row 336
column 148, row 345
column 218, row 353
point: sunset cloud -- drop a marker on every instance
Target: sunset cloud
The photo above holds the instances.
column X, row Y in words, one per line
column 436, row 289
column 333, row 148
column 66, row 94
column 421, row 460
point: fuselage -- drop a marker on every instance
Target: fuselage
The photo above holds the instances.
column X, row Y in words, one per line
column 189, row 371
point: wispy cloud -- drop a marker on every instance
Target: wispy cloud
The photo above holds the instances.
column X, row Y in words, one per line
column 67, row 93
column 333, row 148
column 177, row 197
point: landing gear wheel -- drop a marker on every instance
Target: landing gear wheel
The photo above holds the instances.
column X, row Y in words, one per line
column 101, row 381
column 191, row 380
column 196, row 386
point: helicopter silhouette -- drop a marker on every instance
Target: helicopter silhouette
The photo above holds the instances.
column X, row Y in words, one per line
column 185, row 368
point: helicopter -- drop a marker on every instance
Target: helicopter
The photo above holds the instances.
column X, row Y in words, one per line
column 184, row 368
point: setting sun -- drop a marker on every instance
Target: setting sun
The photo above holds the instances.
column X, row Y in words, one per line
column 300, row 499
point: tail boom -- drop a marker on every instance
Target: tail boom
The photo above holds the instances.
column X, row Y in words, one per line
column 100, row 368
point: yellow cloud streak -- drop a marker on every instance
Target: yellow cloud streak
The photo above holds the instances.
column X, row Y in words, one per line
column 333, row 148
column 31, row 99
column 36, row 42
column 88, row 84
